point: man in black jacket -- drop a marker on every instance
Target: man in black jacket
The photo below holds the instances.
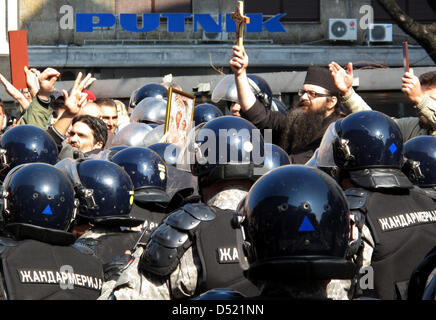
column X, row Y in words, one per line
column 300, row 131
column 398, row 220
column 36, row 252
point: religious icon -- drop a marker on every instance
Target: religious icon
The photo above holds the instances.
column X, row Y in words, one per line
column 180, row 116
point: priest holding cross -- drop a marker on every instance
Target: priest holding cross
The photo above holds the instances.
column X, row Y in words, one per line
column 300, row 131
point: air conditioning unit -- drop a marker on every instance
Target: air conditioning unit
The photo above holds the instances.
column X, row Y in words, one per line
column 215, row 36
column 380, row 32
column 343, row 29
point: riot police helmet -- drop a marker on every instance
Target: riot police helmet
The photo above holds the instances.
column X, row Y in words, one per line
column 226, row 90
column 150, row 110
column 104, row 189
column 167, row 151
column 277, row 105
column 154, row 90
column 26, row 144
column 38, row 197
column 296, row 221
column 156, row 135
column 367, row 139
column 420, row 164
column 275, row 156
column 148, row 172
column 205, row 112
column 227, row 148
column 114, row 150
column 132, row 135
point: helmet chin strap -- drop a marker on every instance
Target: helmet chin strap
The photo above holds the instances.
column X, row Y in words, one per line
column 69, row 167
column 259, row 94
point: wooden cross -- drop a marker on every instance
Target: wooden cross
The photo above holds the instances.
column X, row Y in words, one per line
column 240, row 19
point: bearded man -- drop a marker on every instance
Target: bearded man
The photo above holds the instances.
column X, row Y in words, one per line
column 301, row 130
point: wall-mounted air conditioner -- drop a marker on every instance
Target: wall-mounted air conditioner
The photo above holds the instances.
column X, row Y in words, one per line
column 380, row 32
column 343, row 29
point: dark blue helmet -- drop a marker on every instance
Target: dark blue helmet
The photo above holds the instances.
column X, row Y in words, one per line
column 277, row 105
column 296, row 220
column 148, row 172
column 261, row 89
column 227, row 148
column 275, row 156
column 114, row 150
column 367, row 139
column 205, row 112
column 26, row 144
column 420, row 156
column 154, row 90
column 220, row 294
column 117, row 148
column 104, row 189
column 167, row 151
column 38, row 194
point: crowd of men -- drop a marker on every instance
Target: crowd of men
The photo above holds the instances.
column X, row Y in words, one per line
column 96, row 204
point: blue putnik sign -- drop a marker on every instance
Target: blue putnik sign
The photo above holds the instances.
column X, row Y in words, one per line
column 85, row 22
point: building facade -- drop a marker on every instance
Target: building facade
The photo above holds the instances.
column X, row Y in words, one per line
column 193, row 38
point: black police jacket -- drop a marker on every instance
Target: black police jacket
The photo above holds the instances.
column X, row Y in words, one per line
column 152, row 214
column 34, row 270
column 209, row 232
column 402, row 223
column 110, row 244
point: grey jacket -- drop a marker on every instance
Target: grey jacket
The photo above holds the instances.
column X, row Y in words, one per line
column 409, row 126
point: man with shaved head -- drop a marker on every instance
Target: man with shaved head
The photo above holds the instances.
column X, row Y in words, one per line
column 91, row 109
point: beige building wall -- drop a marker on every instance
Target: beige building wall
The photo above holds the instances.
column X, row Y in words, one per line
column 41, row 19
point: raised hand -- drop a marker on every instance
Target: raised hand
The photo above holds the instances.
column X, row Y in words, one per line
column 343, row 79
column 239, row 61
column 32, row 81
column 76, row 98
column 412, row 87
column 15, row 93
column 47, row 80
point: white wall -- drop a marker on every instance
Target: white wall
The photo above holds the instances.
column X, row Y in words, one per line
column 8, row 21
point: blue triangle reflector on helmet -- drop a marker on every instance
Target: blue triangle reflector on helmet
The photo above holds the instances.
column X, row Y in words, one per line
column 393, row 148
column 306, row 226
column 47, row 210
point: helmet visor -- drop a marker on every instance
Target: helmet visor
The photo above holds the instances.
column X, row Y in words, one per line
column 132, row 135
column 225, row 90
column 151, row 110
column 324, row 157
column 155, row 136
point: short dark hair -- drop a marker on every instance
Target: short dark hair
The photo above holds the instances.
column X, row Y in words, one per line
column 97, row 126
column 428, row 79
column 106, row 102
